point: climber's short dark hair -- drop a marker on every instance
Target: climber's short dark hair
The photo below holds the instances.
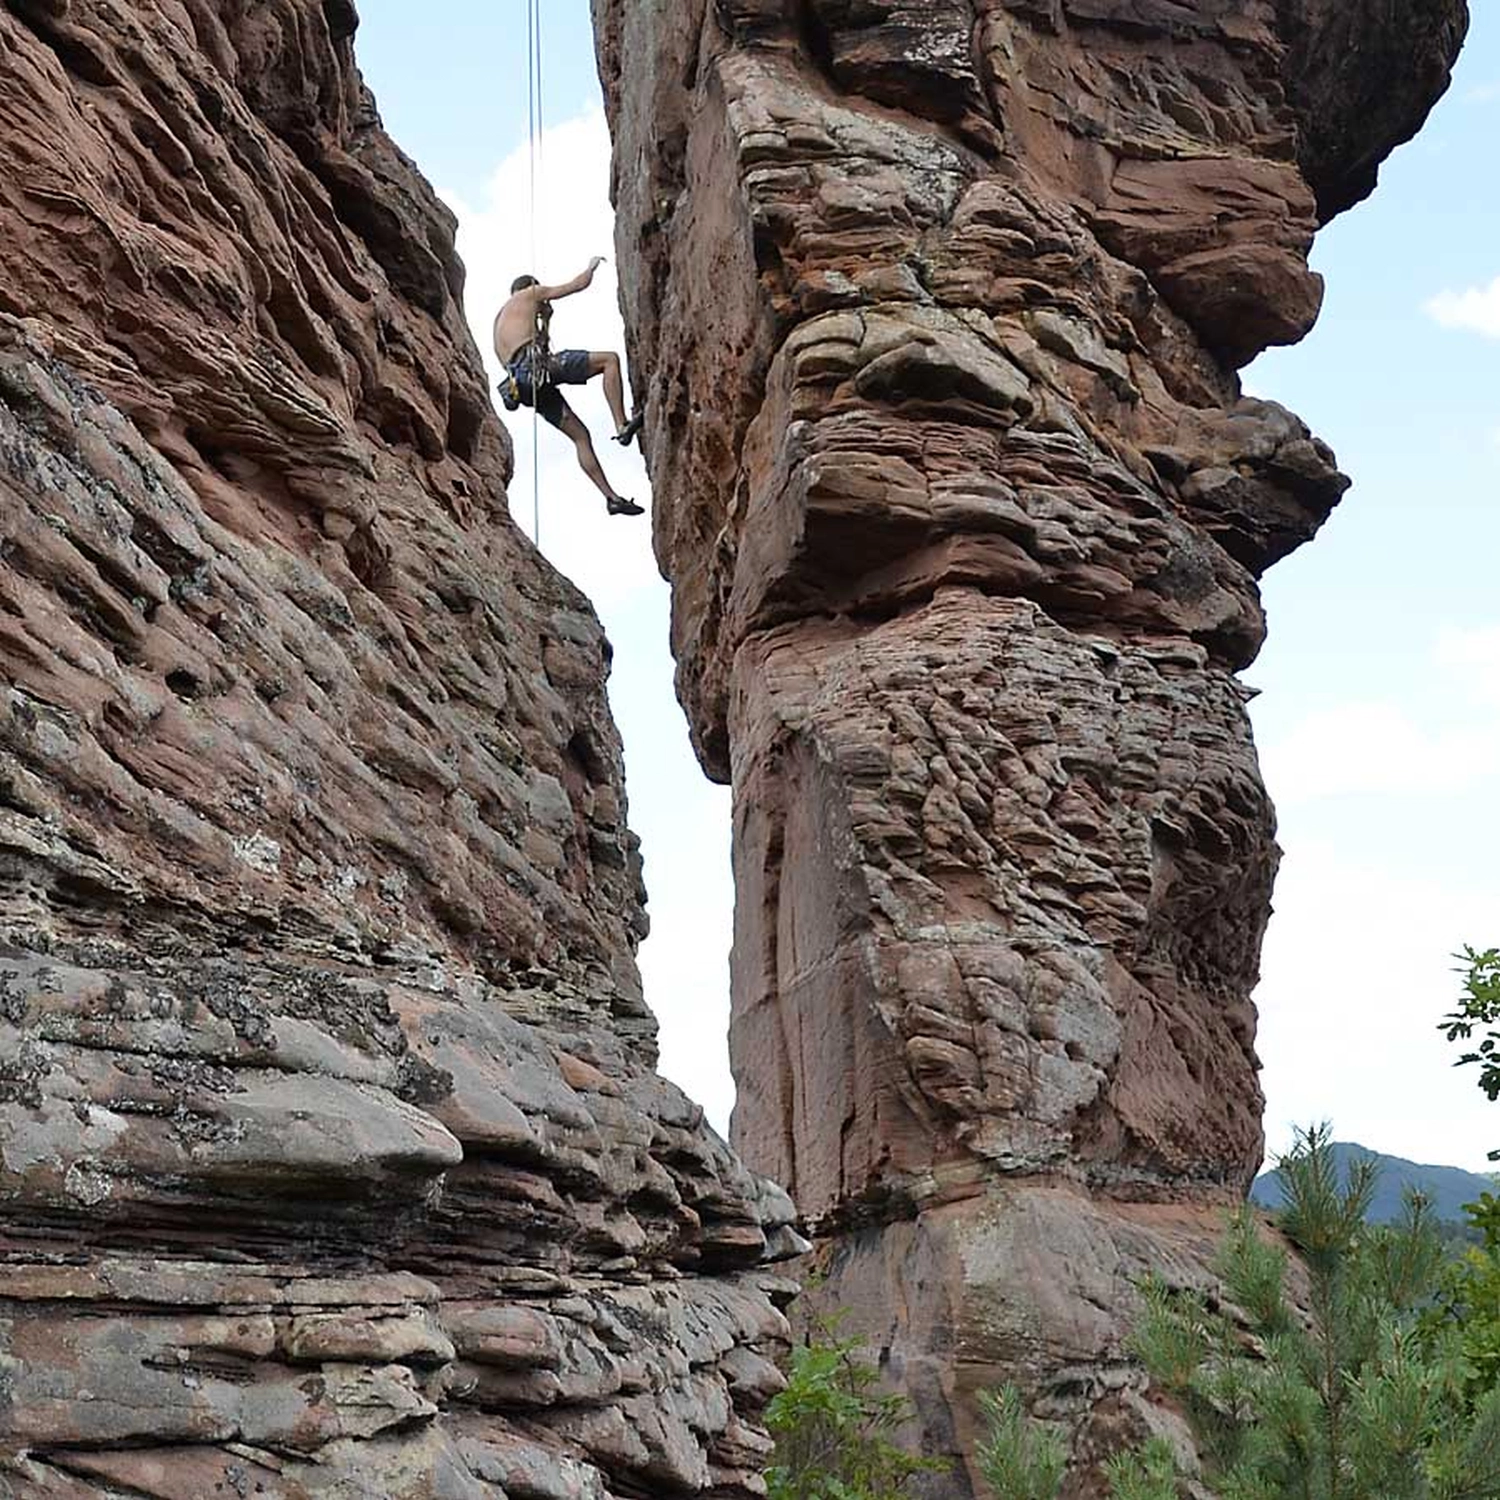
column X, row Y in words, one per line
column 521, row 283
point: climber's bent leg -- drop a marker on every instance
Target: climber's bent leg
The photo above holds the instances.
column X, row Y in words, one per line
column 579, row 366
column 572, row 428
column 608, row 365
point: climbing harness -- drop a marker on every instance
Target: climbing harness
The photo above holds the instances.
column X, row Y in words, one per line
column 529, row 371
column 534, row 102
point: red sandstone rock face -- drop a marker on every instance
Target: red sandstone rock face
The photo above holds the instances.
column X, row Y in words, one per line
column 332, row 1161
column 937, row 306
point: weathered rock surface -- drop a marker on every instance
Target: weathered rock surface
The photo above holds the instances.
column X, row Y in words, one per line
column 332, row 1161
column 937, row 306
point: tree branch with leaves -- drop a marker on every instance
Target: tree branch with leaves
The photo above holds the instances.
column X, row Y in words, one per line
column 1478, row 1009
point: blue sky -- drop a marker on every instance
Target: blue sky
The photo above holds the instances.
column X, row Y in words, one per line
column 450, row 76
column 1379, row 715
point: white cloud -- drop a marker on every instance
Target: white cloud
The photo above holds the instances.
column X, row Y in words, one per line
column 1376, row 747
column 1357, row 973
column 1471, row 656
column 1483, row 93
column 1476, row 309
column 685, row 962
column 1383, row 747
column 1468, row 658
column 1387, row 816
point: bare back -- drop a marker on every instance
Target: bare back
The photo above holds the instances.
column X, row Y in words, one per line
column 515, row 323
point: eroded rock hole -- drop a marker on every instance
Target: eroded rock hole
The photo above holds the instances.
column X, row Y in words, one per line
column 185, row 684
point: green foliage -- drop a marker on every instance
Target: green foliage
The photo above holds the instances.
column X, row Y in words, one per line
column 1022, row 1459
column 1480, row 1007
column 1019, row 1459
column 833, row 1429
column 1466, row 1308
column 1370, row 1396
column 1149, row 1473
column 1385, row 1385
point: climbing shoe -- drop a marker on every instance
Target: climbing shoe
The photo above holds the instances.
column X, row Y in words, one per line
column 626, row 435
column 620, row 506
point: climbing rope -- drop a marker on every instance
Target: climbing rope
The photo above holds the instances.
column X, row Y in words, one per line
column 534, row 158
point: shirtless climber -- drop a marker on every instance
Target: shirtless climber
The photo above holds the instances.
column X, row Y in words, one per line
column 521, row 343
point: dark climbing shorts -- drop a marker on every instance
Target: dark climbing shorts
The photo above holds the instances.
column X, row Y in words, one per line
column 567, row 367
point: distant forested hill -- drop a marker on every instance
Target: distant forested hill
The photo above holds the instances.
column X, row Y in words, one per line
column 1448, row 1187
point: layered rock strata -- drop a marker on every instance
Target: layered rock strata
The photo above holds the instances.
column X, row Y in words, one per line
column 937, row 307
column 332, row 1158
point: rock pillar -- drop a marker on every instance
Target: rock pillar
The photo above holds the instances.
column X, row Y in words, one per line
column 938, row 307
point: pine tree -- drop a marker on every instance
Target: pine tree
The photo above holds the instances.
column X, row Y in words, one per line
column 1381, row 1383
column 1358, row 1398
column 834, row 1429
column 1020, row 1459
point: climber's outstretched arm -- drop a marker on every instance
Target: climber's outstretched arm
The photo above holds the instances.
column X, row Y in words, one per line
column 567, row 288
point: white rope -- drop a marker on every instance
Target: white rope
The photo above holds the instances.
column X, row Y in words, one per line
column 534, row 155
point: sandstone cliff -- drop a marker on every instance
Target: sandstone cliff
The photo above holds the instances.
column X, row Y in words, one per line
column 332, row 1162
column 937, row 307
